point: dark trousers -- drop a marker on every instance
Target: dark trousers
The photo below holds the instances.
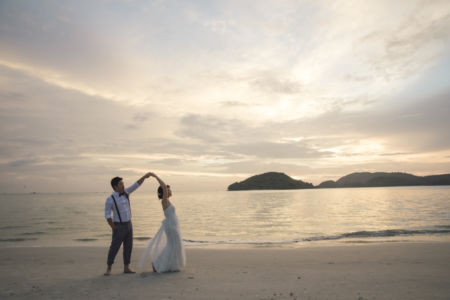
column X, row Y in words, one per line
column 123, row 233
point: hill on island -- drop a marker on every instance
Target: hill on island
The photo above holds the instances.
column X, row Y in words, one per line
column 379, row 179
column 270, row 181
column 281, row 181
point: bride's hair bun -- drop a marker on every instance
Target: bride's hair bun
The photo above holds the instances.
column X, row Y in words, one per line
column 160, row 191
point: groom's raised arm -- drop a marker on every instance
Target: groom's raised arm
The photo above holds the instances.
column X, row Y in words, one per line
column 137, row 184
column 141, row 180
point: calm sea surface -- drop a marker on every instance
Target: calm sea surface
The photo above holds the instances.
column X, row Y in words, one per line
column 248, row 218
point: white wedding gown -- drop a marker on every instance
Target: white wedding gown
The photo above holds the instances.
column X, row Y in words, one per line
column 166, row 247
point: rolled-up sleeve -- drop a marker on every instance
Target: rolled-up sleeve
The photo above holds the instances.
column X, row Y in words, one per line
column 108, row 208
column 132, row 188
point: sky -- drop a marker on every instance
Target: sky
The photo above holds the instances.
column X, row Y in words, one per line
column 207, row 93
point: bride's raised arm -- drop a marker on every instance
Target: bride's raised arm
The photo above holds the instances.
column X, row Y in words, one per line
column 165, row 199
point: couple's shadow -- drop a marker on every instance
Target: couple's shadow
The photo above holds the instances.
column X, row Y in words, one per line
column 159, row 275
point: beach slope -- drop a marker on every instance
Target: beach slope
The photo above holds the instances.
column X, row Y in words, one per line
column 368, row 271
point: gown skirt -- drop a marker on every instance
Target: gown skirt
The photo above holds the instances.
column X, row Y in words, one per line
column 166, row 247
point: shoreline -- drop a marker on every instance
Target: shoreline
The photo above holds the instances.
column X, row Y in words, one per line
column 139, row 243
column 411, row 270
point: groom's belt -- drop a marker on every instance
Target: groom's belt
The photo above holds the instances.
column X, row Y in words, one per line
column 123, row 223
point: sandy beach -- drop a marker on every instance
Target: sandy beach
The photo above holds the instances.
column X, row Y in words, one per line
column 356, row 271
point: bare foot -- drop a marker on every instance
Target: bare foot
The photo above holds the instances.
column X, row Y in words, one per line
column 108, row 272
column 128, row 271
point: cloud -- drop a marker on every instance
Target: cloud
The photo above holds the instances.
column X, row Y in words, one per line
column 138, row 119
column 22, row 163
column 141, row 116
column 218, row 89
column 277, row 85
column 272, row 150
column 172, row 162
column 403, row 49
column 411, row 127
column 233, row 104
column 209, row 128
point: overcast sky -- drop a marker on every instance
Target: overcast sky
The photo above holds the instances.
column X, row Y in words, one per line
column 206, row 93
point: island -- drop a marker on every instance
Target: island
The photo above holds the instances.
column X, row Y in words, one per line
column 281, row 181
column 380, row 179
column 270, row 181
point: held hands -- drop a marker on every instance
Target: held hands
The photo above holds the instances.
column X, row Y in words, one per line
column 149, row 174
column 140, row 181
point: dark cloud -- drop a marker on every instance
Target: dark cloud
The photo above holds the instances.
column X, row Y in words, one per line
column 171, row 162
column 271, row 83
column 46, row 131
column 131, row 126
column 233, row 104
column 395, row 154
column 142, row 116
column 358, row 78
column 12, row 97
column 407, row 48
column 209, row 129
column 420, row 126
column 276, row 150
column 50, row 34
column 138, row 119
column 23, row 162
column 413, row 126
column 256, row 166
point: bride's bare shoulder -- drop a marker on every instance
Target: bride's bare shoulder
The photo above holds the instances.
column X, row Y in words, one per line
column 166, row 206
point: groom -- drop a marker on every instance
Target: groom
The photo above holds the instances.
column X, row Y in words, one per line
column 121, row 226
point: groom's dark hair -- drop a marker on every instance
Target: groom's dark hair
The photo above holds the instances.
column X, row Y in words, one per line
column 115, row 181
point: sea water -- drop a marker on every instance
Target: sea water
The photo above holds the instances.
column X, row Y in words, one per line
column 287, row 218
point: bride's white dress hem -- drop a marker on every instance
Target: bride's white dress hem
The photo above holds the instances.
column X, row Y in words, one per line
column 166, row 247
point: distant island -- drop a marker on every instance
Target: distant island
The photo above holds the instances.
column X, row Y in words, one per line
column 270, row 181
column 379, row 179
column 281, row 181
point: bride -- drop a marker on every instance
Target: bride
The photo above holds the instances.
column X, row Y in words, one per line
column 166, row 247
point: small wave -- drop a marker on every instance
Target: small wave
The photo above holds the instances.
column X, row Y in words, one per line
column 18, row 239
column 198, row 242
column 348, row 235
column 393, row 232
column 12, row 227
column 239, row 242
column 33, row 233
column 56, row 228
column 142, row 238
column 442, row 226
column 104, row 235
column 85, row 240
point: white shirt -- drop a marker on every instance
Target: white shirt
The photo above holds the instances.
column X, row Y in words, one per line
column 122, row 204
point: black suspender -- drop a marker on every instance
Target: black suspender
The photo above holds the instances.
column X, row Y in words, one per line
column 128, row 198
column 117, row 209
